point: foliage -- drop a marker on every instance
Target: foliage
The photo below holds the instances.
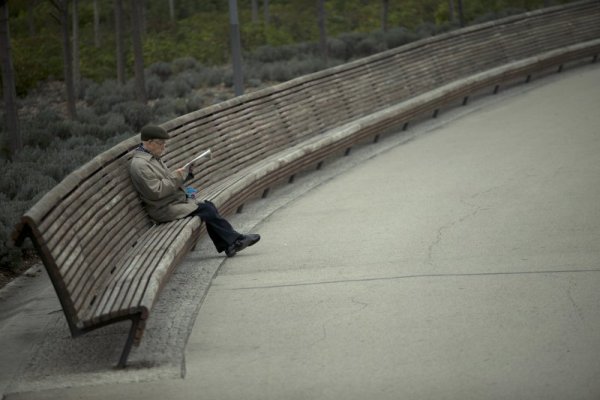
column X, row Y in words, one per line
column 201, row 30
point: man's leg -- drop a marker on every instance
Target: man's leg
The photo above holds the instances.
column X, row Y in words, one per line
column 222, row 234
column 219, row 229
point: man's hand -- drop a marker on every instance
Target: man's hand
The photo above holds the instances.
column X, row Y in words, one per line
column 185, row 172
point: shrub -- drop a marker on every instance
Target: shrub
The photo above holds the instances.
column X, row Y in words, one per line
column 368, row 46
column 426, row 30
column 228, row 78
column 88, row 130
column 212, row 76
column 279, row 72
column 10, row 256
column 195, row 102
column 114, row 124
column 154, row 87
column 491, row 16
column 397, row 37
column 86, row 115
column 269, row 54
column 37, row 129
column 297, row 67
column 161, row 69
column 9, row 180
column 180, row 106
column 84, row 84
column 185, row 63
column 33, row 184
column 352, row 40
column 164, row 108
column 193, row 78
column 103, row 98
column 62, row 129
column 177, row 87
column 254, row 82
column 136, row 114
column 338, row 49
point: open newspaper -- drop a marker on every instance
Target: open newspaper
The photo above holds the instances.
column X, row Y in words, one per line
column 204, row 154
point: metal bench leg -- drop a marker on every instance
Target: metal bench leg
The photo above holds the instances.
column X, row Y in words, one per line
column 129, row 343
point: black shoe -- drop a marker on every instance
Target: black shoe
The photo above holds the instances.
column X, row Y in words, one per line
column 240, row 244
column 230, row 250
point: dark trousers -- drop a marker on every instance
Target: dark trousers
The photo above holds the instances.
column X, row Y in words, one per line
column 219, row 229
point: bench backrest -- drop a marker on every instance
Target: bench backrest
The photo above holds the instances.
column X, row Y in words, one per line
column 94, row 216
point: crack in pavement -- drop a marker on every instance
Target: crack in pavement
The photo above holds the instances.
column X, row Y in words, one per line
column 420, row 276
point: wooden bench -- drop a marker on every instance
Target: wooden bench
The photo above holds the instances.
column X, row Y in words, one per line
column 108, row 261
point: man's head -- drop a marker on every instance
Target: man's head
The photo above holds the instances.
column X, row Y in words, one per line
column 154, row 139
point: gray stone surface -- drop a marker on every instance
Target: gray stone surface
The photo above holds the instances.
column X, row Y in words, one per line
column 456, row 260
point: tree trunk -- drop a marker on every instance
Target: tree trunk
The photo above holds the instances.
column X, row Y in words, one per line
column 30, row 21
column 96, row 24
column 451, row 10
column 138, row 51
column 254, row 11
column 236, row 49
column 322, row 31
column 75, row 44
column 461, row 16
column 63, row 9
column 15, row 143
column 172, row 10
column 119, row 33
column 142, row 13
column 385, row 10
column 266, row 10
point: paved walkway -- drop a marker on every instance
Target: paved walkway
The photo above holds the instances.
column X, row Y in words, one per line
column 460, row 261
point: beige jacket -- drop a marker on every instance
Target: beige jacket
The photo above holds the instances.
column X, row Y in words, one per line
column 161, row 190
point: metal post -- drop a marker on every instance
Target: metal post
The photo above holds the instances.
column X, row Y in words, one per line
column 238, row 79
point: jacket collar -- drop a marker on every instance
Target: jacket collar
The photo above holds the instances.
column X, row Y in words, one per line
column 144, row 153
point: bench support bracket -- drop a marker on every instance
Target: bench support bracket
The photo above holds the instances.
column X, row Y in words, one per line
column 135, row 321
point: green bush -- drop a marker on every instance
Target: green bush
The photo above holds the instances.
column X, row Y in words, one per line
column 104, row 97
column 36, row 129
column 86, row 115
column 9, row 181
column 114, row 124
column 397, row 37
column 185, row 63
column 35, row 60
column 10, row 256
column 195, row 102
column 369, row 45
column 33, row 184
column 161, row 69
column 177, row 87
column 426, row 30
column 212, row 76
column 338, row 49
column 154, row 87
column 136, row 114
column 269, row 54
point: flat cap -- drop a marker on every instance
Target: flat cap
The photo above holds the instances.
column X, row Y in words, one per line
column 153, row 132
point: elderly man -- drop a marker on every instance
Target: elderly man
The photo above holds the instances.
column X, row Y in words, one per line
column 165, row 198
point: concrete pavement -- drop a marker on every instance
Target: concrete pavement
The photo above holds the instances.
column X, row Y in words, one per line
column 459, row 260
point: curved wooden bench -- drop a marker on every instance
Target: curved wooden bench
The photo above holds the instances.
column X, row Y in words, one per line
column 108, row 262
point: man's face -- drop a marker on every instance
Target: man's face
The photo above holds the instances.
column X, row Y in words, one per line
column 155, row 146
